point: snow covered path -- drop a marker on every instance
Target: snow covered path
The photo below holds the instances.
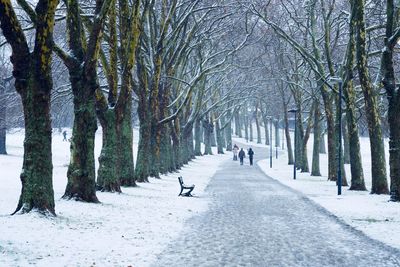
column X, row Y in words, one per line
column 255, row 221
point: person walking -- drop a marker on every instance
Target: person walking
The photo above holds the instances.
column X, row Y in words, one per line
column 242, row 155
column 65, row 136
column 251, row 154
column 235, row 152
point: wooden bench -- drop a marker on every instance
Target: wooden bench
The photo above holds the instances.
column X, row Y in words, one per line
column 185, row 187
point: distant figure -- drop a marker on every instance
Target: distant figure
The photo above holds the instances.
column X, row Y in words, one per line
column 65, row 136
column 250, row 153
column 242, row 155
column 235, row 152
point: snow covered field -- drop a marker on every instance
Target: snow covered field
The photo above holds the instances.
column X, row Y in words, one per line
column 127, row 229
column 372, row 214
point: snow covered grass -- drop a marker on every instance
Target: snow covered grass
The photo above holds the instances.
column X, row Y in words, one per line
column 125, row 229
column 372, row 214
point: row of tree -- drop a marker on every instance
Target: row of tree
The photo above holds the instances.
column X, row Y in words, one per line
column 186, row 70
column 169, row 57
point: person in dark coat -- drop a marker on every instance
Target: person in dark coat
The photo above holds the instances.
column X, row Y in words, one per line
column 251, row 154
column 235, row 152
column 242, row 155
column 65, row 135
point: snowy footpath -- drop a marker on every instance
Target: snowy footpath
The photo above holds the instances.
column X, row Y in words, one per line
column 256, row 221
column 127, row 229
column 372, row 214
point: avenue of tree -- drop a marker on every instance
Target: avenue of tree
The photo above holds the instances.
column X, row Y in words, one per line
column 192, row 72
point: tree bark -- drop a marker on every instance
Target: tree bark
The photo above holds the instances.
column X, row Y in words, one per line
column 107, row 177
column 315, row 170
column 197, row 138
column 228, row 134
column 3, row 126
column 33, row 81
column 393, row 97
column 378, row 166
column 208, row 131
column 322, row 147
column 220, row 144
column 81, row 171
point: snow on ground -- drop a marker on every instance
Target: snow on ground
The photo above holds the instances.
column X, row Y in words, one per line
column 372, row 214
column 125, row 229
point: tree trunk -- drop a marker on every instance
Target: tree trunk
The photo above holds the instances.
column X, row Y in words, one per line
column 213, row 139
column 394, row 147
column 251, row 129
column 107, row 177
column 208, row 131
column 340, row 149
column 176, row 145
column 81, row 171
column 393, row 96
column 126, row 167
column 277, row 138
column 315, row 170
column 33, row 81
column 322, row 147
column 356, row 168
column 246, row 127
column 238, row 126
column 258, row 126
column 3, row 128
column 288, row 139
column 378, row 166
column 142, row 162
column 197, row 138
column 332, row 155
column 266, row 130
column 228, row 135
column 220, row 143
column 346, row 142
column 37, row 169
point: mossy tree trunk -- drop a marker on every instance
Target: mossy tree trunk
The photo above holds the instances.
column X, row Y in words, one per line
column 33, row 82
column 81, row 170
column 3, row 127
column 142, row 162
column 356, row 169
column 126, row 167
column 378, row 166
column 393, row 96
column 130, row 30
column 346, row 141
column 107, row 178
column 82, row 67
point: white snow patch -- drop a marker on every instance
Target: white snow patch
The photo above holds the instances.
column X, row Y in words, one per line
column 125, row 229
column 372, row 214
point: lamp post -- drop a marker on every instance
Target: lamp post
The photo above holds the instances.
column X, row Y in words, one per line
column 339, row 172
column 276, row 137
column 295, row 140
column 270, row 142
